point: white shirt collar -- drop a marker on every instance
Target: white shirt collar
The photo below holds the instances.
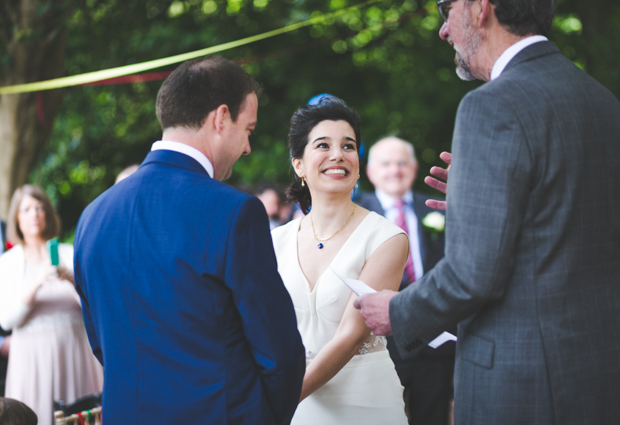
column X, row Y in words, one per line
column 511, row 52
column 186, row 150
column 387, row 202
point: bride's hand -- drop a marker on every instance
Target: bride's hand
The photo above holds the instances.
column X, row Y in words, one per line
column 440, row 173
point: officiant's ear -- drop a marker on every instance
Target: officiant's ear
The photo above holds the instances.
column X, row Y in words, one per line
column 485, row 12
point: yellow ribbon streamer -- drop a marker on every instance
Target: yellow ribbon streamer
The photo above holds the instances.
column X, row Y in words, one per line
column 158, row 63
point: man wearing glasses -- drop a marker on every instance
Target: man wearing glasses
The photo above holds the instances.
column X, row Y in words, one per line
column 531, row 270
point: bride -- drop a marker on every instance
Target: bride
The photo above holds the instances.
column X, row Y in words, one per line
column 350, row 377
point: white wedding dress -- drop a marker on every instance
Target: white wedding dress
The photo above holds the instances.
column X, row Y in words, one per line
column 367, row 390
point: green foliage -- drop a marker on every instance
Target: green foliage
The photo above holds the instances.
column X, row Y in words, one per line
column 385, row 60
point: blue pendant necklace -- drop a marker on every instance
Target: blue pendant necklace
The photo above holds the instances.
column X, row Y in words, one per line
column 320, row 239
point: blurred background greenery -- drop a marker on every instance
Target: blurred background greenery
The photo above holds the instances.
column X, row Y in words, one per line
column 385, row 60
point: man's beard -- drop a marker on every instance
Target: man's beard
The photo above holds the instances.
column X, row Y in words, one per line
column 462, row 68
column 471, row 43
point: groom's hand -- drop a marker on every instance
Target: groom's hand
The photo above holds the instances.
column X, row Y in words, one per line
column 440, row 173
column 375, row 310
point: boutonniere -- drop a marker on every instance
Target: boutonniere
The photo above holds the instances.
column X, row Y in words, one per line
column 435, row 223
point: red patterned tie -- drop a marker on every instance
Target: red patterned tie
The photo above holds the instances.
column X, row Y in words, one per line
column 402, row 223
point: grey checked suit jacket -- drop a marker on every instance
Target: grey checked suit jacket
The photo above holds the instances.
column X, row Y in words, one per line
column 532, row 266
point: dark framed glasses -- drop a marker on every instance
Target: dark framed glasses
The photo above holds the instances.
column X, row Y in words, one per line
column 444, row 8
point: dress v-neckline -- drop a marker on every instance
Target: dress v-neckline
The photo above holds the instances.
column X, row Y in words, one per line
column 299, row 268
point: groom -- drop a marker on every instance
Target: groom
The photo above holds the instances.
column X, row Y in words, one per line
column 181, row 296
column 532, row 237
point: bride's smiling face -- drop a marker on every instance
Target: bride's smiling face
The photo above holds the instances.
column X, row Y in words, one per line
column 330, row 162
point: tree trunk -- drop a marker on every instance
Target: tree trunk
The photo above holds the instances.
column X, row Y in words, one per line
column 32, row 39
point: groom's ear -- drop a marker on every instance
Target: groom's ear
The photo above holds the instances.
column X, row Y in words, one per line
column 221, row 117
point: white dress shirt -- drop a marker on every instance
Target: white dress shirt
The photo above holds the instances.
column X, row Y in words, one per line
column 186, row 150
column 391, row 212
column 511, row 52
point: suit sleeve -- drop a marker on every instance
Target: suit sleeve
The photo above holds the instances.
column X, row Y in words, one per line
column 80, row 287
column 488, row 189
column 266, row 309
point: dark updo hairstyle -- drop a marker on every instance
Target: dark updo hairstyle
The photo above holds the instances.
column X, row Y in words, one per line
column 302, row 123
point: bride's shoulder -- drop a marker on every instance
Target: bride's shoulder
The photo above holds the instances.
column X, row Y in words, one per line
column 377, row 230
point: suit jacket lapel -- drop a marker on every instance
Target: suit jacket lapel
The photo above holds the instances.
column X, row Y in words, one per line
column 373, row 204
column 420, row 209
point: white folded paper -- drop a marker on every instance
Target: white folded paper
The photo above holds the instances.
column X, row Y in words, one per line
column 360, row 288
column 357, row 286
column 444, row 337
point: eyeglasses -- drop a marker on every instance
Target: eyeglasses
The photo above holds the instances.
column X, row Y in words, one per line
column 37, row 209
column 444, row 8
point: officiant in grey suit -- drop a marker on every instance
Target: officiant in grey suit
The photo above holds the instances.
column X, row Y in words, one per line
column 532, row 230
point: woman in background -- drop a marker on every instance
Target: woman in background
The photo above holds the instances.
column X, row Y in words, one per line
column 350, row 378
column 50, row 357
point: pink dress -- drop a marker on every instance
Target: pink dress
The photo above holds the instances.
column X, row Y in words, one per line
column 50, row 357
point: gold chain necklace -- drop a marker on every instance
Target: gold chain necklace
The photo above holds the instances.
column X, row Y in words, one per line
column 320, row 245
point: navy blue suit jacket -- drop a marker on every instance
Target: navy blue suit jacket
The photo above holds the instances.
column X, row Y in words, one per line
column 182, row 301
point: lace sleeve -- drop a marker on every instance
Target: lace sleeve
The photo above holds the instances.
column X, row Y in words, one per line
column 373, row 344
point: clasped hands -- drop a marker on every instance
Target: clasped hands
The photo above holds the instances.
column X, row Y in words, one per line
column 375, row 308
column 47, row 273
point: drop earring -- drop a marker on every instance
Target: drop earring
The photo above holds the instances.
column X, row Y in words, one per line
column 357, row 183
column 303, row 183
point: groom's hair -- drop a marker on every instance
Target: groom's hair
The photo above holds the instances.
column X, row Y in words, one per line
column 525, row 17
column 200, row 86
